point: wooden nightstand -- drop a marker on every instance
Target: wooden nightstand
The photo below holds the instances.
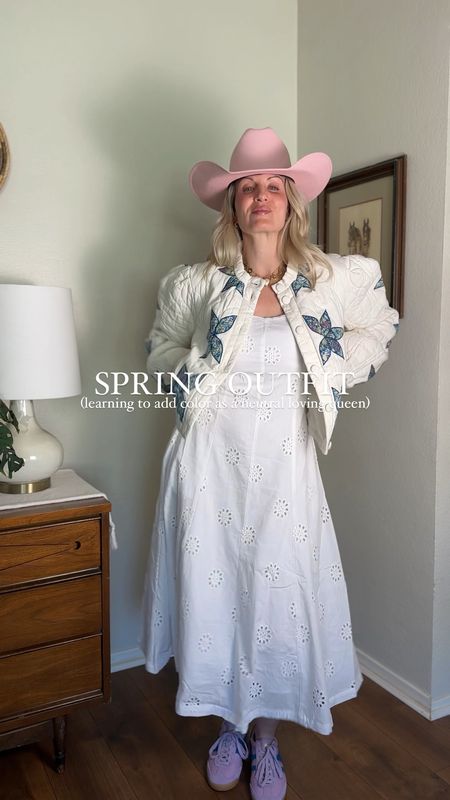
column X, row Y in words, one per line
column 54, row 615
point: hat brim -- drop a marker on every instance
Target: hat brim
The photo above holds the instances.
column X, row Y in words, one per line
column 209, row 181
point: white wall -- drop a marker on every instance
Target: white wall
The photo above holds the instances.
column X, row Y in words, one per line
column 441, row 626
column 373, row 83
column 106, row 106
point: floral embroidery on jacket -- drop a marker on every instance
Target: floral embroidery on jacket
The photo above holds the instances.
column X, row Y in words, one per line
column 233, row 280
column 329, row 344
column 217, row 326
column 336, row 395
column 379, row 284
column 300, row 282
column 371, row 372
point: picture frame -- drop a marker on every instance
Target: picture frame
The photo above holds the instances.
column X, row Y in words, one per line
column 363, row 211
column 4, row 156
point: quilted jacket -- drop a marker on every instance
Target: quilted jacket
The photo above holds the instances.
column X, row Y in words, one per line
column 345, row 324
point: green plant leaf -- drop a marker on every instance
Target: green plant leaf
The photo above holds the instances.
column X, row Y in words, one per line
column 4, row 411
column 6, row 437
column 10, row 458
column 8, row 416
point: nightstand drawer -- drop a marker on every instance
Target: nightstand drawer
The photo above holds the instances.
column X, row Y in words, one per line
column 48, row 551
column 50, row 677
column 50, row 613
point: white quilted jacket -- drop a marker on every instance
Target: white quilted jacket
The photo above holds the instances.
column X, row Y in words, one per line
column 344, row 325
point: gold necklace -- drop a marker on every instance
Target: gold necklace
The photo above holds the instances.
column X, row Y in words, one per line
column 274, row 277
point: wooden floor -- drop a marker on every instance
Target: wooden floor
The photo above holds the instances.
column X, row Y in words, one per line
column 137, row 747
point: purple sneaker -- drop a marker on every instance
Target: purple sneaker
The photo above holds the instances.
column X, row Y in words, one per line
column 225, row 760
column 268, row 779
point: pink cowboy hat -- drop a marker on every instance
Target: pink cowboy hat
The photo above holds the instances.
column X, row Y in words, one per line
column 259, row 150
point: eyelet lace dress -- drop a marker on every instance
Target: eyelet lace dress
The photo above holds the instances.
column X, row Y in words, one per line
column 244, row 586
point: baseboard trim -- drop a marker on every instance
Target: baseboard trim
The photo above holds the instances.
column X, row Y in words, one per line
column 126, row 659
column 405, row 691
column 440, row 708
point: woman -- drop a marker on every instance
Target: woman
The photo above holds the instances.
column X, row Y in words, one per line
column 244, row 585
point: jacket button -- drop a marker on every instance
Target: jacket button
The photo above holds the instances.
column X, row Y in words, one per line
column 298, row 328
column 285, row 300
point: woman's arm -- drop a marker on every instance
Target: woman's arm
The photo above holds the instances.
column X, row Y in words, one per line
column 369, row 321
column 169, row 340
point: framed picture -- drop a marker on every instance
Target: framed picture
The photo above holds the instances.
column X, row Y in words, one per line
column 364, row 212
column 4, row 156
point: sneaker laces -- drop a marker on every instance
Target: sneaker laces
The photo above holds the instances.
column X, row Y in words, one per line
column 269, row 766
column 226, row 745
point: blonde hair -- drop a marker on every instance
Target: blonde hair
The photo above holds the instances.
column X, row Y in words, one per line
column 294, row 247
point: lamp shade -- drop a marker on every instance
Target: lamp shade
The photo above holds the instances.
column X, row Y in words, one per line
column 38, row 348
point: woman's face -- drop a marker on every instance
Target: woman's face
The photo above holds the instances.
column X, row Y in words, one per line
column 261, row 204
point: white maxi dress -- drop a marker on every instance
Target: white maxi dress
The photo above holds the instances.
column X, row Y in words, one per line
column 244, row 586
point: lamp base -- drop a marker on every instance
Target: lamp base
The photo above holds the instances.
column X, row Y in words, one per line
column 25, row 488
column 40, row 450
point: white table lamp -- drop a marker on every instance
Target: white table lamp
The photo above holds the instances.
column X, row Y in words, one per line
column 38, row 360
